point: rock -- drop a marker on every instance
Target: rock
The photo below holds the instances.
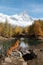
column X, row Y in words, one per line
column 21, row 62
column 7, row 59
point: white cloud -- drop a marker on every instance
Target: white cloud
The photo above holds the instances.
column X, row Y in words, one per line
column 37, row 18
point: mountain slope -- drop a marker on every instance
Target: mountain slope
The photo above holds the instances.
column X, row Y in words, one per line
column 17, row 20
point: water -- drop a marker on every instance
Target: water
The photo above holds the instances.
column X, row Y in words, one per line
column 24, row 42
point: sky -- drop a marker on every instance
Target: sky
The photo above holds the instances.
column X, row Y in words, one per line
column 34, row 8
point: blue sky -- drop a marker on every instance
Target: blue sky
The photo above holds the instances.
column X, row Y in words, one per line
column 33, row 7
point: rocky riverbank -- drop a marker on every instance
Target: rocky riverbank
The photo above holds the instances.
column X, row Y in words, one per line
column 17, row 60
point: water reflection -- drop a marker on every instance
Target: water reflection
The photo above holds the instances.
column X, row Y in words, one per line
column 23, row 44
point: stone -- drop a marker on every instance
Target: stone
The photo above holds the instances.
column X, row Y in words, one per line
column 7, row 59
column 21, row 62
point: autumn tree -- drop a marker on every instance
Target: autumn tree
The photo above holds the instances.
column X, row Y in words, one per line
column 6, row 29
column 10, row 31
column 1, row 28
column 37, row 28
column 31, row 30
column 18, row 30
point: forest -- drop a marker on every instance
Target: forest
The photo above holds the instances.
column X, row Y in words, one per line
column 7, row 30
